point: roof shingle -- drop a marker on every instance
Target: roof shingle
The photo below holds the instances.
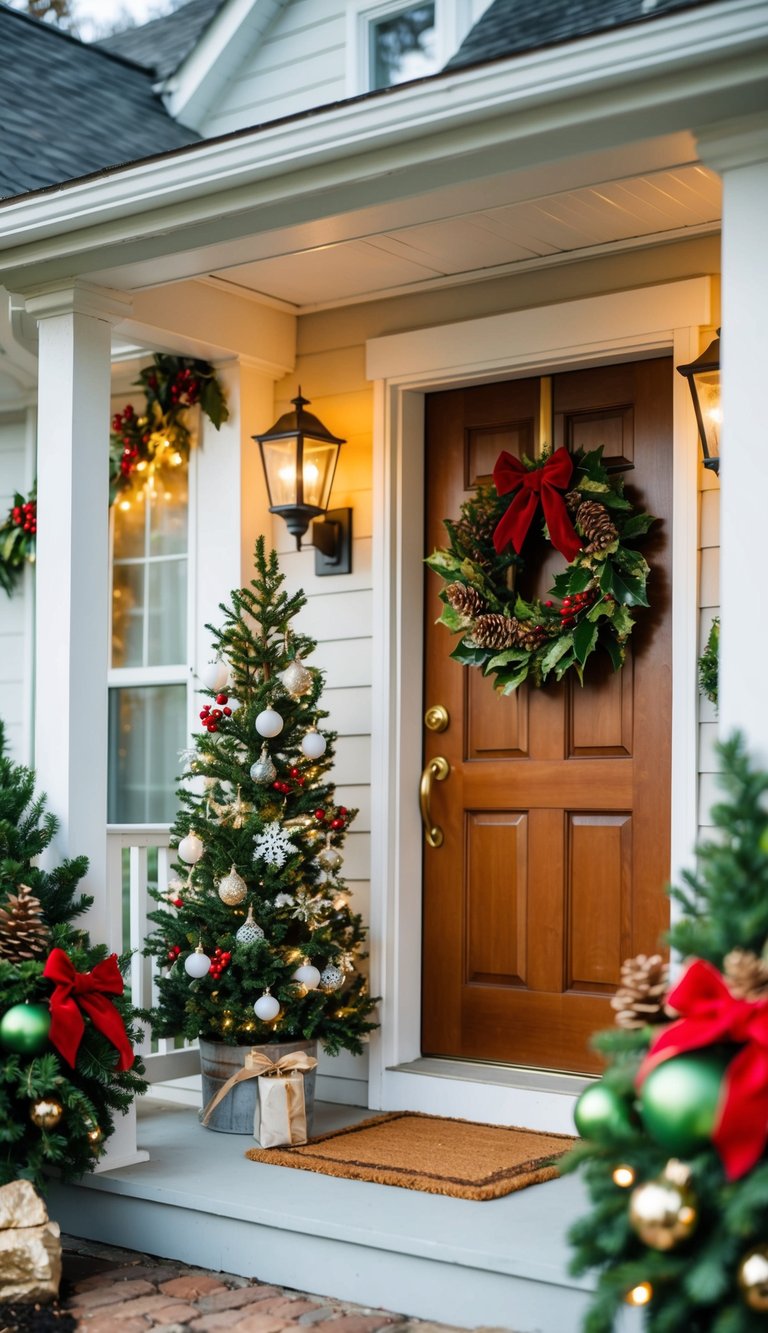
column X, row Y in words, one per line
column 68, row 109
column 162, row 44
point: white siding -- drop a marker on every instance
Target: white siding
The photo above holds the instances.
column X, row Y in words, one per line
column 709, row 607
column 300, row 64
column 15, row 612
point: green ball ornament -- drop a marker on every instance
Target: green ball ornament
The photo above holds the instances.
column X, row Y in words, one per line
column 24, row 1029
column 679, row 1101
column 600, row 1114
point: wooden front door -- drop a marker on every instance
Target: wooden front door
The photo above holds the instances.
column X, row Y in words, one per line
column 555, row 810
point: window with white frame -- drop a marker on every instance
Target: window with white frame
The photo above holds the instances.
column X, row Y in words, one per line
column 148, row 679
column 392, row 42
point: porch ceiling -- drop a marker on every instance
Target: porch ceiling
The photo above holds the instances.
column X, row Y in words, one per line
column 486, row 241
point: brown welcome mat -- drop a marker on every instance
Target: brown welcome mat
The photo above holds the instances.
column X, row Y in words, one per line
column 430, row 1153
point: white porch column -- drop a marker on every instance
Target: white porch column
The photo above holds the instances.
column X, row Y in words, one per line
column 72, row 609
column 740, row 154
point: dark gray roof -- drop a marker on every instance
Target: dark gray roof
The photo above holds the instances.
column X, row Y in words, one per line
column 67, row 109
column 163, row 43
column 510, row 26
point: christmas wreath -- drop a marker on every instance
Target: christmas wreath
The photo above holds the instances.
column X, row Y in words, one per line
column 17, row 539
column 576, row 505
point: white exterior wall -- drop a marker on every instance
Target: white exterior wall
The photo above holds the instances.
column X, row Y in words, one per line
column 301, row 63
column 709, row 607
column 16, row 474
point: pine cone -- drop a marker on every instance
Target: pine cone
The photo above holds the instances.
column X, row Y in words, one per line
column 573, row 500
column 23, row 933
column 642, row 992
column 746, row 974
column 466, row 600
column 592, row 518
column 496, row 631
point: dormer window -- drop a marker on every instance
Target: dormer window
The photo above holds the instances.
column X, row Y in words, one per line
column 403, row 46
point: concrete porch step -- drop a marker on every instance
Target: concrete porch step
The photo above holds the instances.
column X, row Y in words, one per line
column 501, row 1263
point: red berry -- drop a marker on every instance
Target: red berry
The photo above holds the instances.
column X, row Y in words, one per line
column 216, row 714
column 227, row 712
column 319, row 814
column 226, row 955
column 212, row 726
column 300, row 782
column 171, row 955
column 342, row 810
column 222, row 698
column 203, row 714
column 178, row 902
column 295, row 772
column 337, row 823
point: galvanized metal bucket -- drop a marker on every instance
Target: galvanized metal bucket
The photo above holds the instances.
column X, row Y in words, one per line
column 234, row 1115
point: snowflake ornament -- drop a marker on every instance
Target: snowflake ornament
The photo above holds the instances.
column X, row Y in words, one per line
column 273, row 845
column 306, row 908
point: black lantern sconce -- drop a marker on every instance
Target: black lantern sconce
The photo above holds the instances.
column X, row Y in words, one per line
column 299, row 456
column 703, row 376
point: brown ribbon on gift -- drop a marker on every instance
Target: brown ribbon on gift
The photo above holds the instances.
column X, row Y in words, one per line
column 258, row 1065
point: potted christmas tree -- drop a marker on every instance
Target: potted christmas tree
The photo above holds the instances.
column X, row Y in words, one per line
column 255, row 941
column 65, row 1026
column 675, row 1133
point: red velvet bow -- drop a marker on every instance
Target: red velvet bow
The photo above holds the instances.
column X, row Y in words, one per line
column 87, row 991
column 709, row 1013
column 542, row 483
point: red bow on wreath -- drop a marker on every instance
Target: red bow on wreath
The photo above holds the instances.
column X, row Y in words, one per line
column 87, row 991
column 709, row 1013
column 541, row 483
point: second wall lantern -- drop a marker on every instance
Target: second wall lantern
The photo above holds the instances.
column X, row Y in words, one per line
column 299, row 455
column 703, row 376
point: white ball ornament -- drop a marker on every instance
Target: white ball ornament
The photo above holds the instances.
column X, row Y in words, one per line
column 313, row 744
column 215, row 675
column 269, row 723
column 198, row 964
column 331, row 978
column 266, row 1007
column 191, row 849
column 250, row 932
column 307, row 976
column 232, row 888
column 330, row 858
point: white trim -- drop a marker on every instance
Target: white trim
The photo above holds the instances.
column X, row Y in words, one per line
column 619, row 86
column 453, row 19
column 622, row 326
column 237, row 28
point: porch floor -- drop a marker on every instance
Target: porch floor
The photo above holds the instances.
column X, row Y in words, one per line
column 500, row 1263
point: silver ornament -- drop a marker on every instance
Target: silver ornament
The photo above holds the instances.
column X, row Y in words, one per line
column 330, row 858
column 331, row 978
column 263, row 771
column 232, row 888
column 296, row 679
column 250, row 932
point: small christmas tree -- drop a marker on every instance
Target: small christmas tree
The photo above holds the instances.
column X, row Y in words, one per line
column 257, row 941
column 674, row 1153
column 62, row 1013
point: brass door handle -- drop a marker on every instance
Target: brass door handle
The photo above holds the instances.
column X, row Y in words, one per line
column 436, row 769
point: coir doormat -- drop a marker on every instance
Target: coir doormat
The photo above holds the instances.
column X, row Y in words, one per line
column 430, row 1153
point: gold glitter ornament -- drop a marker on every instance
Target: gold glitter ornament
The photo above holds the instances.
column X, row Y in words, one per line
column 753, row 1278
column 665, row 1211
column 296, row 678
column 46, row 1112
column 232, row 888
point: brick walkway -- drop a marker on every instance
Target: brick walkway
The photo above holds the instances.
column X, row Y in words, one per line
column 114, row 1291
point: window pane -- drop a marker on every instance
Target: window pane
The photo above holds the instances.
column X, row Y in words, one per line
column 147, row 728
column 167, row 612
column 129, row 536
column 403, row 46
column 168, row 510
column 128, row 616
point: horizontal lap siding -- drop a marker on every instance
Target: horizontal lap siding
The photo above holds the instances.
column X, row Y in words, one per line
column 709, row 607
column 300, row 64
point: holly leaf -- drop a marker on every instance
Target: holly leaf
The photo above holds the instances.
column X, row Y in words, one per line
column 594, row 485
column 452, row 619
column 613, row 500
column 615, row 651
column 555, row 651
column 504, row 659
column 584, row 640
column 636, row 526
column 442, row 562
column 467, row 655
column 565, row 663
column 507, row 684
column 579, row 578
column 523, row 610
column 212, row 402
column 630, row 591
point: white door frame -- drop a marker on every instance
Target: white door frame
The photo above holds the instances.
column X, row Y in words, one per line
column 621, row 326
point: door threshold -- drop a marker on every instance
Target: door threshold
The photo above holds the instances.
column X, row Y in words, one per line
column 506, row 1076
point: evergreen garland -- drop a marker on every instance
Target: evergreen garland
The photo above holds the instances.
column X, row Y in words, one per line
column 695, row 1285
column 92, row 1093
column 301, row 908
column 709, row 664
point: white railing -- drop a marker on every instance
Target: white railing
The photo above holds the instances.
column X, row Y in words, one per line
column 138, row 858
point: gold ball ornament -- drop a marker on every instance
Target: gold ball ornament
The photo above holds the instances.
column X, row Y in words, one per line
column 664, row 1212
column 232, row 888
column 753, row 1278
column 95, row 1132
column 640, row 1295
column 46, row 1112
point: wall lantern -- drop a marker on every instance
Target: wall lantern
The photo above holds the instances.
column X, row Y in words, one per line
column 703, row 376
column 299, row 455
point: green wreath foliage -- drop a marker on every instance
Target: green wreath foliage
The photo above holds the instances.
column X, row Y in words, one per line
column 709, row 664
column 512, row 639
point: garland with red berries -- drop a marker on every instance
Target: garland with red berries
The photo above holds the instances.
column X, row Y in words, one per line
column 139, row 442
column 568, row 501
